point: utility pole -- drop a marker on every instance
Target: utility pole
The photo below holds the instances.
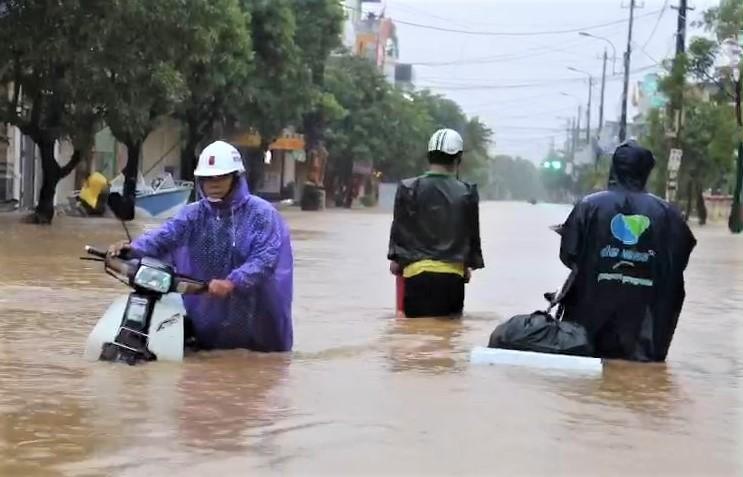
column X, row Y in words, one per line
column 571, row 138
column 576, row 136
column 676, row 105
column 588, row 111
column 735, row 223
column 601, row 104
column 734, row 49
column 627, row 56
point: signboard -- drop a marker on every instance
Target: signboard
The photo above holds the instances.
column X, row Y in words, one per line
column 674, row 164
column 674, row 160
column 289, row 142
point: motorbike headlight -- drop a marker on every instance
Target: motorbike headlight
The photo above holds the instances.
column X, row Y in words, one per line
column 153, row 279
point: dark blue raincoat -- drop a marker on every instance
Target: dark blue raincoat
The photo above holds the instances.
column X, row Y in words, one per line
column 630, row 249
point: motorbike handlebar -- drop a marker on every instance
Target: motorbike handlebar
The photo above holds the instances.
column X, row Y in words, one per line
column 183, row 284
column 189, row 286
column 94, row 252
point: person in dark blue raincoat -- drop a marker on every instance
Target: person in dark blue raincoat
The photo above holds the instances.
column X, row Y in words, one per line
column 630, row 249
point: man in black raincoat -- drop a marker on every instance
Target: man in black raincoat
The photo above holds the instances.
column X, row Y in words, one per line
column 435, row 234
column 630, row 249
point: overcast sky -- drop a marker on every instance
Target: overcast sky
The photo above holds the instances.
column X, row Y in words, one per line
column 494, row 77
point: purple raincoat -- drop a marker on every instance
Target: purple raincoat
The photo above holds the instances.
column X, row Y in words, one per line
column 245, row 240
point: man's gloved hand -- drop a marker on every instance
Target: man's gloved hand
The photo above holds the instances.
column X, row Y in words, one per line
column 221, row 288
column 116, row 249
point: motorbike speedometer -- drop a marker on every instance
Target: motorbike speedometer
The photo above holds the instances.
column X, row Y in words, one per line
column 137, row 310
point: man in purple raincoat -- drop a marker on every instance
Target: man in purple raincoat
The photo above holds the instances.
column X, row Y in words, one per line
column 240, row 245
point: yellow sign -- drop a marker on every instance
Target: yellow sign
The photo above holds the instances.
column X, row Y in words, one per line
column 286, row 142
column 292, row 142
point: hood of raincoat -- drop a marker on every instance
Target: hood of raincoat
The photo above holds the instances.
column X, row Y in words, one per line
column 631, row 166
column 239, row 194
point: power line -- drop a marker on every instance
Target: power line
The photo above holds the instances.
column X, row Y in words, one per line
column 502, row 58
column 516, row 33
column 458, row 81
column 469, row 87
column 657, row 22
column 522, row 33
column 426, row 14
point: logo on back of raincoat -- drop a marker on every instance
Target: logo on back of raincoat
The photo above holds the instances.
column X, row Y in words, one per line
column 629, row 228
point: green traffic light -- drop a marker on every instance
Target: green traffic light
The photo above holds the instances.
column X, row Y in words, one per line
column 557, row 165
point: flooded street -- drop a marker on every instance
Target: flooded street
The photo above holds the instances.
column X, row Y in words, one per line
column 363, row 393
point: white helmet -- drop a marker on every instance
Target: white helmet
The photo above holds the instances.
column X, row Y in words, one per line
column 447, row 141
column 218, row 159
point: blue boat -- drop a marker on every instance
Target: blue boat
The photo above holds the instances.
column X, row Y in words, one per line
column 162, row 198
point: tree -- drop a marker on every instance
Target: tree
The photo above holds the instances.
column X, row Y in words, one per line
column 218, row 83
column 138, row 73
column 709, row 128
column 557, row 182
column 515, row 179
column 45, row 55
column 708, row 146
column 476, row 162
column 321, row 24
column 278, row 86
column 357, row 130
column 655, row 141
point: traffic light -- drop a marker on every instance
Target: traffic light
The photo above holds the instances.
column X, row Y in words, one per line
column 556, row 165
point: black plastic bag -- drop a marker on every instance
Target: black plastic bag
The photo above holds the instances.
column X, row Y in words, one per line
column 542, row 333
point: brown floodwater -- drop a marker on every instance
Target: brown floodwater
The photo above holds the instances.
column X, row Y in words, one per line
column 362, row 393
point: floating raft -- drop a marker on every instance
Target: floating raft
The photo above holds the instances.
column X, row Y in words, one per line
column 483, row 355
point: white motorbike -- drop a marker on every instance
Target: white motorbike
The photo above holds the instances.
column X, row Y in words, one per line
column 149, row 323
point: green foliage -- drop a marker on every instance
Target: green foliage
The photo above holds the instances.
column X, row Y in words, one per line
column 515, row 179
column 375, row 122
column 217, row 71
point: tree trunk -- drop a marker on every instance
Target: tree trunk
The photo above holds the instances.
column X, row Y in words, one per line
column 701, row 206
column 188, row 157
column 51, row 174
column 130, row 181
column 689, row 199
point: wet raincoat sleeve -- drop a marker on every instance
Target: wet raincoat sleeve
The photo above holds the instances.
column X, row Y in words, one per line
column 168, row 237
column 684, row 241
column 263, row 252
column 475, row 260
column 572, row 232
column 396, row 248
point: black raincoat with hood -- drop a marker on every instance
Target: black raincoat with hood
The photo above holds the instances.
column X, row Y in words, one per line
column 630, row 249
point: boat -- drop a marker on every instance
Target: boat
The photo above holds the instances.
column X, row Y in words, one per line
column 162, row 198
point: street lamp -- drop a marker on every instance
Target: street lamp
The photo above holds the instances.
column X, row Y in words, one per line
column 588, row 111
column 613, row 49
column 734, row 53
